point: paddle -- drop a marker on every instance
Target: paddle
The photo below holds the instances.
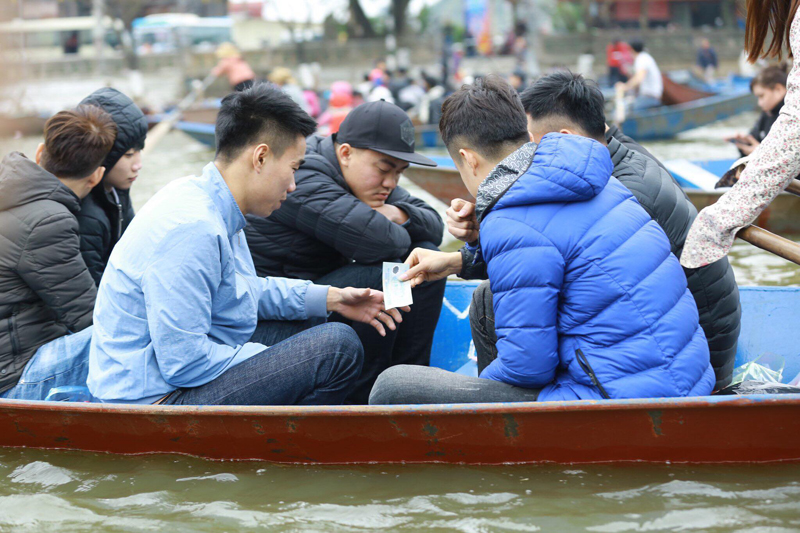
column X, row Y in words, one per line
column 780, row 246
column 163, row 127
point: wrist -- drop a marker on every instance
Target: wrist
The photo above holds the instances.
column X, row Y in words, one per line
column 333, row 298
column 455, row 263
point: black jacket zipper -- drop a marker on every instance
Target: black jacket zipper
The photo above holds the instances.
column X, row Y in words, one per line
column 584, row 364
column 12, row 331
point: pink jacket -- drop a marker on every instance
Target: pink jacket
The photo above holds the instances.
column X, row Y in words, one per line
column 235, row 68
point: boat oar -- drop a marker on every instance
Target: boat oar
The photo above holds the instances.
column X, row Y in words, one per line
column 619, row 107
column 780, row 246
column 162, row 128
column 794, row 187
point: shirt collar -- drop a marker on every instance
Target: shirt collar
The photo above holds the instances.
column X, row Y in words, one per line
column 223, row 199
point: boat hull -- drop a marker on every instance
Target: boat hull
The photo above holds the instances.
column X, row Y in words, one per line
column 717, row 429
column 699, row 430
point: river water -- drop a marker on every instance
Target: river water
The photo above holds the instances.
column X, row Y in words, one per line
column 56, row 491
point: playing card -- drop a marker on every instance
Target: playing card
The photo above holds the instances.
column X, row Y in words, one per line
column 396, row 293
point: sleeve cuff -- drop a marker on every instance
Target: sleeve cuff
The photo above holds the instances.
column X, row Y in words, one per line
column 317, row 300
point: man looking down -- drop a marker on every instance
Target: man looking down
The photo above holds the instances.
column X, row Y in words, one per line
column 566, row 100
column 589, row 302
column 178, row 308
column 46, row 292
column 346, row 217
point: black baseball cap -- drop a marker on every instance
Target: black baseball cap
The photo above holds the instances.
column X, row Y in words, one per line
column 381, row 127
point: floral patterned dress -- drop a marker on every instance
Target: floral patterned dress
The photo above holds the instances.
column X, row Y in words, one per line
column 774, row 164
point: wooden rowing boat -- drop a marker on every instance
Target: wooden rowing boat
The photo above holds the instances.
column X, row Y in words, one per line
column 696, row 177
column 697, row 430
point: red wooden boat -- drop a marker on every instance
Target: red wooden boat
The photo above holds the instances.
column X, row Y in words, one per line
column 717, row 429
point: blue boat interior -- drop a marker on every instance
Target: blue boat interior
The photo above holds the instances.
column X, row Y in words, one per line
column 770, row 336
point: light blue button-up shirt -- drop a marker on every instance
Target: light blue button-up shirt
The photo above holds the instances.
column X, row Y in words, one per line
column 180, row 298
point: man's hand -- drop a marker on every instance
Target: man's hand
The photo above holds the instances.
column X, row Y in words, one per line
column 364, row 305
column 393, row 213
column 462, row 222
column 430, row 265
column 747, row 144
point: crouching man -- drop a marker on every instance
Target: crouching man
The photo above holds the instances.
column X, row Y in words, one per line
column 589, row 302
column 178, row 308
column 346, row 217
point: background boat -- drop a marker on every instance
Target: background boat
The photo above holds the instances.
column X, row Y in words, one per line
column 715, row 429
column 696, row 177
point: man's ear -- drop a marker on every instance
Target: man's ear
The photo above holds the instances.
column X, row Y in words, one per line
column 95, row 177
column 39, row 152
column 260, row 155
column 530, row 136
column 345, row 154
column 471, row 160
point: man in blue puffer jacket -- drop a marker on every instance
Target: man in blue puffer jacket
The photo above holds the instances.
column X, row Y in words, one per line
column 589, row 302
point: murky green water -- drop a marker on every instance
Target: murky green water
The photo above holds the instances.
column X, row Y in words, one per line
column 47, row 491
column 50, row 491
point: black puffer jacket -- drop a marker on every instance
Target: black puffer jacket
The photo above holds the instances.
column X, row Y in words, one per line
column 322, row 226
column 714, row 286
column 102, row 219
column 45, row 289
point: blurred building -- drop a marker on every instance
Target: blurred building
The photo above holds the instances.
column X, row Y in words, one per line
column 38, row 9
column 260, row 24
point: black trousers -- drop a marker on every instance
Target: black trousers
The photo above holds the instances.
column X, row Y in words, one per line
column 481, row 322
column 410, row 344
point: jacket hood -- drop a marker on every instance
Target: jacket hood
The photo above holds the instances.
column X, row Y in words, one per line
column 561, row 169
column 22, row 182
column 131, row 122
column 617, row 151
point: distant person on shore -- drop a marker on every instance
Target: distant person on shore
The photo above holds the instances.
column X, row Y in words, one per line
column 769, row 86
column 618, row 59
column 589, row 303
column 181, row 316
column 107, row 210
column 569, row 100
column 283, row 78
column 346, row 217
column 47, row 294
column 646, row 79
column 776, row 162
column 707, row 62
column 232, row 65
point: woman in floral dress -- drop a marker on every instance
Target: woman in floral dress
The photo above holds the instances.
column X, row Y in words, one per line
column 775, row 162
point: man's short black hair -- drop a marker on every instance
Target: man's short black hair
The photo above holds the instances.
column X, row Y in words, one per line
column 261, row 114
column 564, row 100
column 637, row 46
column 485, row 116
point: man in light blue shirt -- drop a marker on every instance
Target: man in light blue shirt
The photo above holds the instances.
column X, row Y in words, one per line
column 178, row 308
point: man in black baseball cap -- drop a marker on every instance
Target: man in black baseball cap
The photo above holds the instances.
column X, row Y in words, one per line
column 346, row 217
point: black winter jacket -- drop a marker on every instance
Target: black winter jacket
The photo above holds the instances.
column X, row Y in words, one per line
column 102, row 220
column 45, row 289
column 322, row 226
column 714, row 286
column 761, row 128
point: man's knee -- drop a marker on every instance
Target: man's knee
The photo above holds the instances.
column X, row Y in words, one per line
column 393, row 385
column 481, row 304
column 343, row 341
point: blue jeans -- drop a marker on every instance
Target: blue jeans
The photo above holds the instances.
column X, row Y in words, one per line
column 59, row 363
column 316, row 366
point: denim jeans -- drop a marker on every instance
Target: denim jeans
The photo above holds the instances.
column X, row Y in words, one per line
column 316, row 366
column 406, row 384
column 409, row 344
column 59, row 363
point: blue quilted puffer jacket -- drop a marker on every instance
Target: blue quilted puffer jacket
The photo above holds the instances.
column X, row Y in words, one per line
column 589, row 302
